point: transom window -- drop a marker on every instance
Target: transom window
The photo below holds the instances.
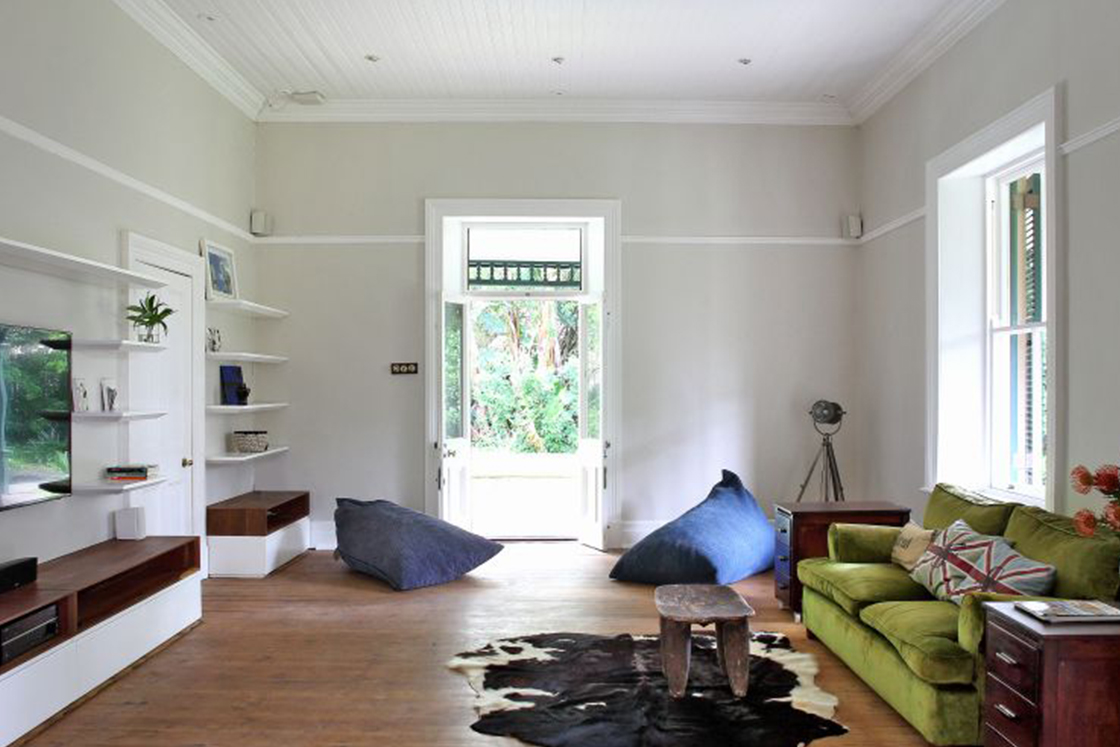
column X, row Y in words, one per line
column 516, row 257
column 1017, row 341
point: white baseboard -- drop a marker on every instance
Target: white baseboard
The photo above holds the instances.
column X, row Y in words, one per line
column 629, row 533
column 322, row 535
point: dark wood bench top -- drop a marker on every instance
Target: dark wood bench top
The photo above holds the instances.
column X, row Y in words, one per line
column 700, row 604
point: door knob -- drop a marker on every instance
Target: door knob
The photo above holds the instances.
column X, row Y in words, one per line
column 188, row 462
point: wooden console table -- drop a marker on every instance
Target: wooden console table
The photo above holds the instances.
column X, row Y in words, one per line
column 144, row 591
column 803, row 533
column 253, row 534
column 1050, row 684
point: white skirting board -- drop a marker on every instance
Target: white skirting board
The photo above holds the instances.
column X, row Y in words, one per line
column 38, row 689
column 256, row 557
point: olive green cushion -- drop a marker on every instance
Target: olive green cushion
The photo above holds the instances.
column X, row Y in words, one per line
column 948, row 503
column 925, row 636
column 861, row 543
column 853, row 586
column 1088, row 567
column 944, row 714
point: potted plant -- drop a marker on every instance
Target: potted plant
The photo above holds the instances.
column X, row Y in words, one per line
column 148, row 316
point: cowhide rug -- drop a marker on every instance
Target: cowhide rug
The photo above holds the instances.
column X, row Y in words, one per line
column 575, row 690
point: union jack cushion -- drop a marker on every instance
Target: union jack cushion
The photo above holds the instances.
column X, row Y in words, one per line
column 960, row 561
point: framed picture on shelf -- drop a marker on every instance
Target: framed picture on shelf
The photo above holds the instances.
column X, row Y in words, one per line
column 221, row 271
column 110, row 395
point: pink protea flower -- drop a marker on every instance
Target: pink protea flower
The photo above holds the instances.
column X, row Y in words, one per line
column 1107, row 479
column 1081, row 479
column 1112, row 515
column 1085, row 523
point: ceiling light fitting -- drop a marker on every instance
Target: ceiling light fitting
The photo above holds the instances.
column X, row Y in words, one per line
column 372, row 58
column 558, row 60
column 744, row 61
column 306, row 98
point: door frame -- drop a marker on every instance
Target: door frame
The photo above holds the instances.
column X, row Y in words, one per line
column 139, row 249
column 436, row 213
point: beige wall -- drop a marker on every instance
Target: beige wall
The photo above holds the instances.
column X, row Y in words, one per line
column 83, row 74
column 724, row 348
column 1070, row 45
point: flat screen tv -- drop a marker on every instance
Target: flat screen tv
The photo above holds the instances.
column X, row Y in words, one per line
column 34, row 415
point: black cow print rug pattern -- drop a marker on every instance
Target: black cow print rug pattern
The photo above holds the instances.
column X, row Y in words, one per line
column 576, row 690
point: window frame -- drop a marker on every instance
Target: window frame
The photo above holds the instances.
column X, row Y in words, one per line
column 1037, row 123
column 999, row 313
column 529, row 291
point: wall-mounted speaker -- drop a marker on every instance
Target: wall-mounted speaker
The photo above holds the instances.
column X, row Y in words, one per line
column 130, row 523
column 260, row 223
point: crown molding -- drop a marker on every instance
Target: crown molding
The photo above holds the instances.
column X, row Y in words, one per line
column 953, row 24
column 562, row 110
column 173, row 32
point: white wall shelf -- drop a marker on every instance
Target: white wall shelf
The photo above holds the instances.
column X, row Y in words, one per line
column 122, row 415
column 49, row 262
column 245, row 308
column 243, row 458
column 247, row 357
column 103, row 487
column 116, row 346
column 239, row 409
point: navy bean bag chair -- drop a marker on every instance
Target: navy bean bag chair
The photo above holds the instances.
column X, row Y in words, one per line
column 404, row 548
column 725, row 538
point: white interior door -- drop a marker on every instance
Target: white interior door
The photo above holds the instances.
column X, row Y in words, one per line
column 593, row 447
column 162, row 381
column 455, row 436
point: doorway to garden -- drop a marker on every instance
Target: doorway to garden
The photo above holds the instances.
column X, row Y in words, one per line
column 522, row 400
column 534, row 392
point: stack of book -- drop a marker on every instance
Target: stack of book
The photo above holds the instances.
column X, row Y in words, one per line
column 131, row 472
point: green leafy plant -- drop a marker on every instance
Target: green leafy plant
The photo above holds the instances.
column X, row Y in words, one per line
column 150, row 313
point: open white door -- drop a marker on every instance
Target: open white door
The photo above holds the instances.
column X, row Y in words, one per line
column 455, row 437
column 592, row 447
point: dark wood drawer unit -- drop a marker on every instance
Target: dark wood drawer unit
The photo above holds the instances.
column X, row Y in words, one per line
column 802, row 532
column 257, row 514
column 1050, row 685
column 96, row 583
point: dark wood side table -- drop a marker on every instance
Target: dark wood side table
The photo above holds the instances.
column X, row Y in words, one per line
column 803, row 533
column 1050, row 684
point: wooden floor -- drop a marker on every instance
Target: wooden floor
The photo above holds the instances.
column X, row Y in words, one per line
column 317, row 655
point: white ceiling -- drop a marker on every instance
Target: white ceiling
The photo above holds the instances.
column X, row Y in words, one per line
column 809, row 58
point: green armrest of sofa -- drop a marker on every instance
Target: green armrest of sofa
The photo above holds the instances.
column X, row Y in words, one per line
column 861, row 543
column 970, row 624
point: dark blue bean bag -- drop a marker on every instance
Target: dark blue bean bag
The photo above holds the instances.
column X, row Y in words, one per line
column 404, row 548
column 725, row 538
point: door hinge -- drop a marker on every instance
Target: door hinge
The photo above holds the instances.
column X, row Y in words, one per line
column 604, row 478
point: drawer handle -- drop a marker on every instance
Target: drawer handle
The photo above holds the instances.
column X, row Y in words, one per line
column 783, row 530
column 1007, row 712
column 783, row 585
column 783, row 558
column 1008, row 660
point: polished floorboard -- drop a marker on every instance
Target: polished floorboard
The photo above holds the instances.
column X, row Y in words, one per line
column 317, row 655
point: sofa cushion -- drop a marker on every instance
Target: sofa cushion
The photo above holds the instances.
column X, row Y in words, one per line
column 960, row 561
column 723, row 539
column 1088, row 567
column 925, row 636
column 910, row 545
column 853, row 586
column 404, row 548
column 949, row 503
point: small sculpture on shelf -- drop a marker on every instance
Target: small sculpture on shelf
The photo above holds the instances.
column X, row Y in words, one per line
column 213, row 340
column 148, row 316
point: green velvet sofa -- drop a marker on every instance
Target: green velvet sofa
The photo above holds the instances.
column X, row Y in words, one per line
column 924, row 656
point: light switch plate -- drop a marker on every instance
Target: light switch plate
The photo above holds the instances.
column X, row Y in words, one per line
column 404, row 368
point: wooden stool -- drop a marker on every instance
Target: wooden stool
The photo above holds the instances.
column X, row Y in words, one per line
column 683, row 605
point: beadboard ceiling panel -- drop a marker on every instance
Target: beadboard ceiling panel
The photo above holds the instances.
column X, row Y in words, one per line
column 819, row 55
